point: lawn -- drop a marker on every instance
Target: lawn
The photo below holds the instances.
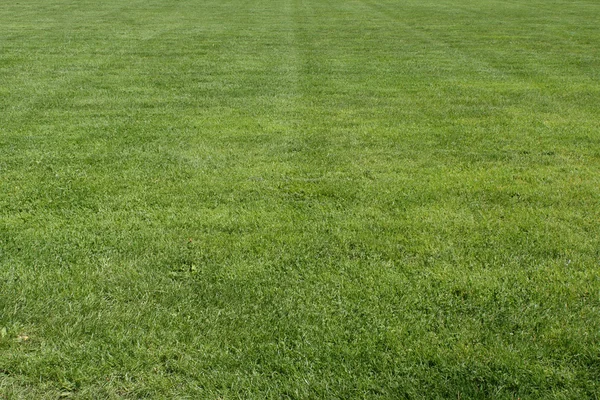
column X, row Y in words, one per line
column 303, row 199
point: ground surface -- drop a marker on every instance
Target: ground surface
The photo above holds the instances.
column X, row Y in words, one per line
column 299, row 199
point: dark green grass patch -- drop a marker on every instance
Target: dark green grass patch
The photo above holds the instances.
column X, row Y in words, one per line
column 299, row 199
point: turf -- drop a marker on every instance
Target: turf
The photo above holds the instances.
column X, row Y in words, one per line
column 299, row 199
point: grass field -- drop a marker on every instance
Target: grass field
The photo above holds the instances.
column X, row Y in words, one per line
column 231, row 199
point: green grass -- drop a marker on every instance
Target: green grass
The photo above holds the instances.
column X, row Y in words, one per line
column 300, row 199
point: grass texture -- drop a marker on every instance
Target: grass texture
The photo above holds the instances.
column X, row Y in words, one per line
column 302, row 199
